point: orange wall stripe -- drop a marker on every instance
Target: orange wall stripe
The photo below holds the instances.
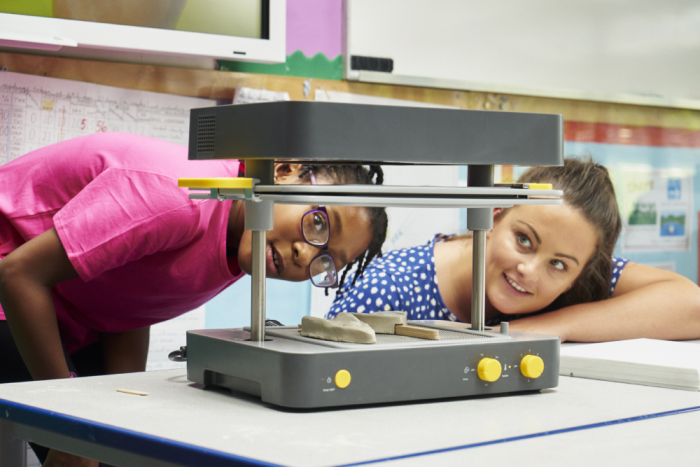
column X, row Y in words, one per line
column 584, row 132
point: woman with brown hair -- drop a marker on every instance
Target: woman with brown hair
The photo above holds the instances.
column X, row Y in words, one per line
column 549, row 269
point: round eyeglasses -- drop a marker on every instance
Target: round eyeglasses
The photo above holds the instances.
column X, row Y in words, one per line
column 316, row 228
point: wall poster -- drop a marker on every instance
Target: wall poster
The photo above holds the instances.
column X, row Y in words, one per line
column 657, row 207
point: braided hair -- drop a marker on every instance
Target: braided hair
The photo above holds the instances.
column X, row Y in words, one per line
column 344, row 174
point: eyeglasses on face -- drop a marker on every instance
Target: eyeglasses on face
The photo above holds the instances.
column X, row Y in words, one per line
column 316, row 228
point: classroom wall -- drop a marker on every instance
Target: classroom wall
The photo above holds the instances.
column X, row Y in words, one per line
column 653, row 153
column 635, row 151
column 624, row 50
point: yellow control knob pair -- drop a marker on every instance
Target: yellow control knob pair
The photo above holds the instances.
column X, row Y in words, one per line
column 489, row 369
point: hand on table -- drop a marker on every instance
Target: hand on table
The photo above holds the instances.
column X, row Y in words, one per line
column 63, row 459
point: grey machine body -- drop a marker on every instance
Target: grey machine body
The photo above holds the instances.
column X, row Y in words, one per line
column 285, row 369
column 301, row 374
column 325, row 132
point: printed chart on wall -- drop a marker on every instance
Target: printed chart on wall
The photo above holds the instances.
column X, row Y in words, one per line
column 36, row 111
column 657, row 206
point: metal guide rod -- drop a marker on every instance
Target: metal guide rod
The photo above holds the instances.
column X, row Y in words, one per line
column 479, row 220
column 258, row 219
column 257, row 310
column 478, row 282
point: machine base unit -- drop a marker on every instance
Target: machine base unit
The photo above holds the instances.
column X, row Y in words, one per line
column 294, row 371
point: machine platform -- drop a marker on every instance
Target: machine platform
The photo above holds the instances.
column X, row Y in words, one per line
column 298, row 372
column 285, row 369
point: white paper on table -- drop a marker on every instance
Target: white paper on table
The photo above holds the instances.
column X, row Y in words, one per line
column 648, row 362
column 643, row 351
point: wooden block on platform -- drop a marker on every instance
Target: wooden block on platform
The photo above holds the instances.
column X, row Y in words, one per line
column 414, row 331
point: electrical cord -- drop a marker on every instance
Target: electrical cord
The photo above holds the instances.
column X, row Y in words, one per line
column 179, row 355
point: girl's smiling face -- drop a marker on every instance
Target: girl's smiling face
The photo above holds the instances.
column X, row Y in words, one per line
column 534, row 254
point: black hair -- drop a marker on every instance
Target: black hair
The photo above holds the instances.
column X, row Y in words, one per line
column 343, row 174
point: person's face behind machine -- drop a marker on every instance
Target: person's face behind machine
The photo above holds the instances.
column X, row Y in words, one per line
column 288, row 254
column 534, row 254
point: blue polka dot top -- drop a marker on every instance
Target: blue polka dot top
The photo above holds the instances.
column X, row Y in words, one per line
column 617, row 265
column 401, row 280
column 405, row 280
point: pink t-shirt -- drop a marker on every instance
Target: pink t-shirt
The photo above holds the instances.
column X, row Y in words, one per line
column 144, row 251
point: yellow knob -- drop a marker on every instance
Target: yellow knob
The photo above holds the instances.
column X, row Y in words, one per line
column 489, row 369
column 342, row 379
column 531, row 366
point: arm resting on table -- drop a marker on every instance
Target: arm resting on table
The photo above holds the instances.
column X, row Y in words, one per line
column 647, row 302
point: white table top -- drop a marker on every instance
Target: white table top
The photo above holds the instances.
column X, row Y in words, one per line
column 229, row 423
column 662, row 441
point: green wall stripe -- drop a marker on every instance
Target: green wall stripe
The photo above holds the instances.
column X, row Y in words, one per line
column 297, row 64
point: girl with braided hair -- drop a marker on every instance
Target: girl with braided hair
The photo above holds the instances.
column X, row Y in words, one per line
column 355, row 174
column 549, row 269
column 97, row 243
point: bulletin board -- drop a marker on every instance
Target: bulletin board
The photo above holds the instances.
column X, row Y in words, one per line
column 658, row 194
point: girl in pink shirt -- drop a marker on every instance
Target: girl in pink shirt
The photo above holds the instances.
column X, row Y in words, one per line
column 97, row 243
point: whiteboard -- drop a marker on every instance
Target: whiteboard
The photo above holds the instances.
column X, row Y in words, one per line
column 629, row 51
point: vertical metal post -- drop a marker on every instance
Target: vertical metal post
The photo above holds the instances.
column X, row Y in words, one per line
column 258, row 219
column 479, row 220
column 257, row 311
column 478, row 282
column 13, row 451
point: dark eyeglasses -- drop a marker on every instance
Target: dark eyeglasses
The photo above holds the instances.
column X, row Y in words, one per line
column 316, row 228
